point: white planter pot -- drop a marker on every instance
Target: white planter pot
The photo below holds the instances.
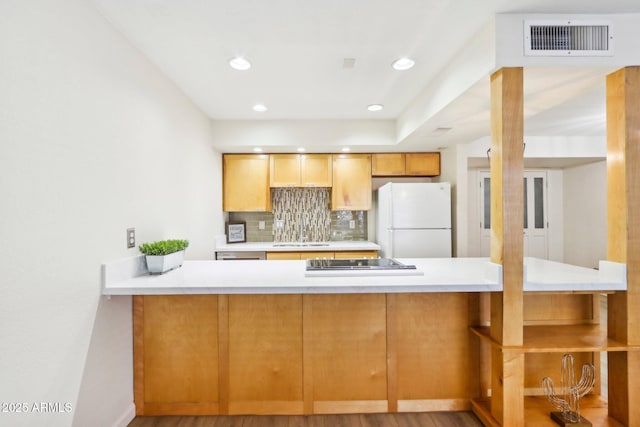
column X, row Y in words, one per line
column 158, row 264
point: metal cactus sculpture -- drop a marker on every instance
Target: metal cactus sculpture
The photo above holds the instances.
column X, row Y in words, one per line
column 568, row 401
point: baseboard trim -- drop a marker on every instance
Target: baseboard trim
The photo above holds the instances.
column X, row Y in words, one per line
column 127, row 416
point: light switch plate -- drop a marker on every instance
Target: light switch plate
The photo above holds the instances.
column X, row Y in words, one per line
column 261, row 225
column 352, row 224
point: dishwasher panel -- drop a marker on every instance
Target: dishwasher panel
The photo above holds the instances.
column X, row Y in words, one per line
column 240, row 255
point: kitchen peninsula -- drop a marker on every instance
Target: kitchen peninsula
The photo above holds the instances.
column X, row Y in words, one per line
column 223, row 337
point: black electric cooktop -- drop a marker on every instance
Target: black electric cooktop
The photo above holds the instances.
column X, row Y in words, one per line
column 357, row 264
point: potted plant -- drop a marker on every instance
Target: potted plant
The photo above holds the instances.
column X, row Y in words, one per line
column 164, row 255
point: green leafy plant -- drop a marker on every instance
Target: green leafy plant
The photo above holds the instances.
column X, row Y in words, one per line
column 163, row 247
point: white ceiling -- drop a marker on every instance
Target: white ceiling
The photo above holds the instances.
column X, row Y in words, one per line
column 297, row 48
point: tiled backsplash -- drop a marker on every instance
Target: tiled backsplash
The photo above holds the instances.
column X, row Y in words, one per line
column 341, row 225
column 301, row 214
column 252, row 220
column 298, row 206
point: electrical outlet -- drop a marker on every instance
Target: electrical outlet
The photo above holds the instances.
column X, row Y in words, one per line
column 131, row 237
column 279, row 223
column 352, row 224
column 260, row 225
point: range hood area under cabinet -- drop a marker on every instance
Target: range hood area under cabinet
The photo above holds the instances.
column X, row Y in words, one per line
column 348, row 176
column 300, row 170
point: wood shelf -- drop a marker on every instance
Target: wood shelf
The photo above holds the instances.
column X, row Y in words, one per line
column 560, row 339
column 537, row 409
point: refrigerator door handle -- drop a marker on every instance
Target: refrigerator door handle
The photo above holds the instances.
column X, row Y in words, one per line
column 389, row 253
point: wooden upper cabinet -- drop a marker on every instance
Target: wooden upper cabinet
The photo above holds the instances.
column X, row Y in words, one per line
column 405, row 164
column 245, row 183
column 387, row 164
column 284, row 170
column 315, row 170
column 351, row 182
column 300, row 170
column 422, row 164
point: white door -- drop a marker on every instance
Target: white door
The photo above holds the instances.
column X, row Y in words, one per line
column 536, row 224
column 485, row 213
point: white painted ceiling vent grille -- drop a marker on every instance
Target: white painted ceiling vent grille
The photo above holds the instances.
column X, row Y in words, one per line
column 568, row 38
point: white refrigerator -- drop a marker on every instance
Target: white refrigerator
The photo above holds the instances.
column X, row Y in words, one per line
column 414, row 220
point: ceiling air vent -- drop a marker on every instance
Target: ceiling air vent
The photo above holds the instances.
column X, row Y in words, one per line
column 568, row 38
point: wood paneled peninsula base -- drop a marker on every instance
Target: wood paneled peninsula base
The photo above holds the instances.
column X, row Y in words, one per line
column 304, row 354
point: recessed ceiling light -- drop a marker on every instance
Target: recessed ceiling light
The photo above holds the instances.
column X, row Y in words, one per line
column 403, row 64
column 375, row 107
column 257, row 150
column 260, row 108
column 346, row 149
column 239, row 63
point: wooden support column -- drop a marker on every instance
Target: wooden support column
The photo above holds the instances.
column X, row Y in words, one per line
column 623, row 245
column 507, row 175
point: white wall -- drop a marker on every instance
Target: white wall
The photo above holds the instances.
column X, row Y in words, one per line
column 449, row 173
column 474, row 245
column 93, row 139
column 555, row 214
column 585, row 214
column 474, row 62
column 549, row 147
column 324, row 136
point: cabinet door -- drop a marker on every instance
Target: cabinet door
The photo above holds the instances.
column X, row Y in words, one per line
column 265, row 354
column 356, row 254
column 351, row 182
column 387, row 164
column 245, row 181
column 315, row 170
column 316, row 255
column 422, row 164
column 347, row 352
column 284, row 170
column 299, row 255
column 271, row 256
column 176, row 354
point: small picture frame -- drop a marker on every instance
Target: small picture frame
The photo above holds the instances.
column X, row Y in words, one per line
column 236, row 231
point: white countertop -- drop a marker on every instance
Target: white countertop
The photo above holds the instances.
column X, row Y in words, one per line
column 128, row 277
column 542, row 275
column 347, row 245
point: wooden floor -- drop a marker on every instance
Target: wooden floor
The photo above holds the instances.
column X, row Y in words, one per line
column 427, row 419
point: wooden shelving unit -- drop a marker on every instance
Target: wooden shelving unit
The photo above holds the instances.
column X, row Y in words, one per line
column 536, row 410
column 560, row 339
column 510, row 336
